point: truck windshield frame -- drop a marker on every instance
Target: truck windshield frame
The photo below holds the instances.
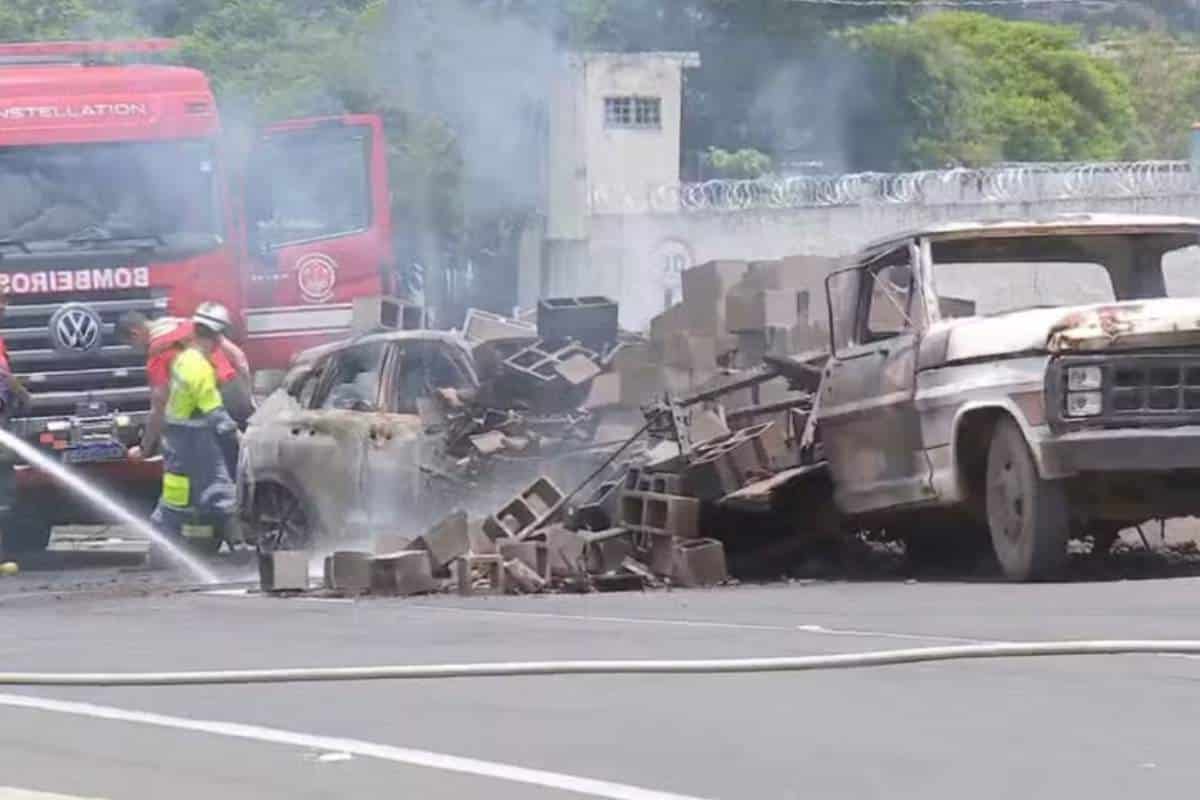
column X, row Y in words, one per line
column 58, row 197
column 310, row 185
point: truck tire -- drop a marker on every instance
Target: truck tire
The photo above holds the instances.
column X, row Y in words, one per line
column 24, row 533
column 1027, row 516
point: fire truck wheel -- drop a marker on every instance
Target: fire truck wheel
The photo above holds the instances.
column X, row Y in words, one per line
column 1027, row 516
column 24, row 533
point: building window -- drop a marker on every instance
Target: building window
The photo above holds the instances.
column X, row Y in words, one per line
column 633, row 112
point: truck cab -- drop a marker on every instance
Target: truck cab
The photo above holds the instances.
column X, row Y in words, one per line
column 1026, row 381
column 118, row 193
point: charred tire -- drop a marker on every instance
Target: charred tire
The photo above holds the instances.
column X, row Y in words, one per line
column 24, row 533
column 1027, row 516
column 279, row 519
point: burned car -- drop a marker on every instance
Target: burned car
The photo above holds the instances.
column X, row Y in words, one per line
column 1027, row 382
column 387, row 432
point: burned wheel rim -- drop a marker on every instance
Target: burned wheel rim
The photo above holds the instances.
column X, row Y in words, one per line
column 1027, row 516
column 280, row 521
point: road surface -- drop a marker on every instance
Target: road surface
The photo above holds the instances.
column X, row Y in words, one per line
column 1096, row 728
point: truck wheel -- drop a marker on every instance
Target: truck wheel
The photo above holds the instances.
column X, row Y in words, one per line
column 278, row 520
column 24, row 533
column 1027, row 516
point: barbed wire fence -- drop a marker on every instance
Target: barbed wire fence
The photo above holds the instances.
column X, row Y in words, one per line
column 1027, row 183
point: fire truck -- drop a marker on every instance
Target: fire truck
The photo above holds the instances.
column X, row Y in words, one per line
column 119, row 192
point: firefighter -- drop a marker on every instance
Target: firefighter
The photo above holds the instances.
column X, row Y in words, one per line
column 13, row 398
column 198, row 497
column 236, row 390
column 163, row 339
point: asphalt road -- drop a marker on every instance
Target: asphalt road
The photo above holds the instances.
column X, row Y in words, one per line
column 1098, row 727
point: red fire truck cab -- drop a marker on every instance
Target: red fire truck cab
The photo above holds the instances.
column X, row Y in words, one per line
column 117, row 194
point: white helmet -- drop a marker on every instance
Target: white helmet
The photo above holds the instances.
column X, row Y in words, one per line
column 213, row 316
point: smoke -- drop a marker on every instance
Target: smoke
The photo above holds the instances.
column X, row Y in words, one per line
column 488, row 76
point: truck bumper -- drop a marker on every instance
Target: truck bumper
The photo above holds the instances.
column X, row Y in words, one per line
column 1121, row 450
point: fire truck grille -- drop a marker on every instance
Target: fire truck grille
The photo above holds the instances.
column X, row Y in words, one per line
column 58, row 378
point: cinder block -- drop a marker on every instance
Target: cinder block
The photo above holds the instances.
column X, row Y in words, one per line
column 671, row 515
column 690, row 351
column 672, row 320
column 577, row 370
column 633, row 509
column 631, row 354
column 484, row 326
column 283, row 571
column 754, row 311
column 565, row 552
column 446, row 540
column 532, row 506
column 605, row 392
column 662, row 554
column 405, row 573
column 699, row 562
column 390, row 543
column 601, row 510
column 665, row 483
column 605, row 550
column 348, row 571
column 470, row 570
column 521, row 577
column 534, row 554
column 590, row 320
column 707, row 282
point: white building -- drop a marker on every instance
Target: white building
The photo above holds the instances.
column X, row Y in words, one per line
column 613, row 144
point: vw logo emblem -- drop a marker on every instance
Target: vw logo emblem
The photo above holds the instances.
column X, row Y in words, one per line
column 75, row 328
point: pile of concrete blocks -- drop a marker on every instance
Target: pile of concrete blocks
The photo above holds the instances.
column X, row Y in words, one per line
column 666, row 524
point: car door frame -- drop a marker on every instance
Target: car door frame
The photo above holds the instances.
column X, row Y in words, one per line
column 870, row 427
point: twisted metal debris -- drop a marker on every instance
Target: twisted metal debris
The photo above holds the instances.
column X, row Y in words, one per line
column 1024, row 183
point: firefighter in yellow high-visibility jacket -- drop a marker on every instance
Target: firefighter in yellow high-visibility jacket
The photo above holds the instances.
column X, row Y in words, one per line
column 198, row 496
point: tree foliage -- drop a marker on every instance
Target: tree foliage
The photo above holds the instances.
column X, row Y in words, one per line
column 969, row 88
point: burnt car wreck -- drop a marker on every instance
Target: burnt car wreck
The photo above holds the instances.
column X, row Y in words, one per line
column 1035, row 380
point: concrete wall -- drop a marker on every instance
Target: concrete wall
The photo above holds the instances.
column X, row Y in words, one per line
column 635, row 257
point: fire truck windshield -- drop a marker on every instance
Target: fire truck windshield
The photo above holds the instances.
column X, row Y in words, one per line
column 59, row 196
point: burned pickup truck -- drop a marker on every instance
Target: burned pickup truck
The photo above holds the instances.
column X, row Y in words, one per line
column 1027, row 381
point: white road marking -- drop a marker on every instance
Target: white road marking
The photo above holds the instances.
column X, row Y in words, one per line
column 817, row 629
column 355, row 747
column 11, row 793
column 329, row 758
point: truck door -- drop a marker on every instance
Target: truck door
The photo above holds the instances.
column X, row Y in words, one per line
column 318, row 232
column 868, row 420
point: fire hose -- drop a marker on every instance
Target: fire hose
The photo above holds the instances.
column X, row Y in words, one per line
column 878, row 658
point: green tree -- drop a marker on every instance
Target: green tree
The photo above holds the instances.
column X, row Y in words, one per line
column 969, row 88
column 1164, row 79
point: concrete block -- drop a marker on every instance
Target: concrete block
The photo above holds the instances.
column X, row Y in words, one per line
column 665, row 483
column 481, row 543
column 633, row 509
column 348, row 571
column 605, row 392
column 699, row 562
column 283, row 571
column 631, row 354
column 484, row 326
column 672, row 320
column 532, row 506
column 471, row 571
column 533, row 554
column 705, row 283
column 446, row 541
column 577, row 370
column 590, row 320
column 705, row 423
column 390, row 543
column 565, row 552
column 690, row 351
column 662, row 554
column 705, row 318
column 405, row 573
column 521, row 577
column 671, row 515
column 754, row 311
column 489, row 443
column 601, row 509
column 605, row 550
